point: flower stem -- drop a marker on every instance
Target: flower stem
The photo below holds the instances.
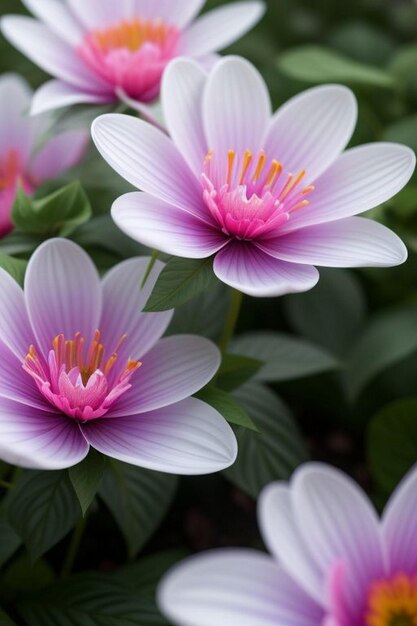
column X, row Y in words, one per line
column 154, row 257
column 73, row 547
column 231, row 319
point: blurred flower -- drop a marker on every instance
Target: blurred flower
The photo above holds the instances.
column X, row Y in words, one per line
column 22, row 161
column 64, row 385
column 334, row 563
column 104, row 50
column 270, row 196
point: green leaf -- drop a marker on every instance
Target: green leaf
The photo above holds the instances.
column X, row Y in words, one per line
column 180, row 281
column 403, row 130
column 235, row 370
column 387, row 340
column 89, row 600
column 86, row 478
column 227, row 406
column 285, row 357
column 9, row 540
column 138, row 500
column 392, row 443
column 144, row 575
column 43, row 508
column 57, row 214
column 316, row 64
column 19, row 243
column 15, row 267
column 5, row 620
column 22, row 576
column 330, row 315
column 275, row 451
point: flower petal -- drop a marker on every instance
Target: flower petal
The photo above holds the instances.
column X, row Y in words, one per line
column 63, row 292
column 311, row 130
column 165, row 227
column 38, row 439
column 147, row 159
column 15, row 383
column 189, row 437
column 59, row 154
column 248, row 269
column 283, row 539
column 96, row 14
column 349, row 242
column 237, row 588
column 359, row 180
column 123, row 301
column 17, row 131
column 236, row 107
column 219, row 28
column 55, row 94
column 171, row 371
column 15, row 329
column 51, row 53
column 181, row 95
column 176, row 12
column 399, row 526
column 338, row 523
column 58, row 17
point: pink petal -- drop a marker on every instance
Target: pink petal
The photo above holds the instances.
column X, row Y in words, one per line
column 57, row 17
column 283, row 539
column 236, row 107
column 147, row 159
column 181, row 95
column 59, row 154
column 311, row 130
column 189, row 437
column 359, row 180
column 171, row 371
column 165, row 227
column 123, row 301
column 38, row 439
column 234, row 588
column 51, row 53
column 349, row 242
column 63, row 292
column 17, row 131
column 246, row 268
column 55, row 94
column 399, row 526
column 15, row 328
column 16, row 384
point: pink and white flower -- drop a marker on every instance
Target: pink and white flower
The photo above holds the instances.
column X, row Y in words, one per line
column 81, row 366
column 22, row 160
column 270, row 197
column 100, row 51
column 332, row 563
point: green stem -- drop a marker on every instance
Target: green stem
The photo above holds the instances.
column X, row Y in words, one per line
column 154, row 257
column 231, row 319
column 73, row 547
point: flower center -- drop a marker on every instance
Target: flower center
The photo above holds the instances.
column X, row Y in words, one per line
column 250, row 196
column 80, row 382
column 393, row 602
column 11, row 171
column 132, row 55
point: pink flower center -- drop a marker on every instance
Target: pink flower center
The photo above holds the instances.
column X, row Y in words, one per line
column 393, row 602
column 250, row 197
column 77, row 381
column 132, row 55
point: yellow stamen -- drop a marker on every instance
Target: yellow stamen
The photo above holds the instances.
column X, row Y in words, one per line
column 274, row 173
column 247, row 160
column 133, row 34
column 260, row 166
column 393, row 602
column 230, row 161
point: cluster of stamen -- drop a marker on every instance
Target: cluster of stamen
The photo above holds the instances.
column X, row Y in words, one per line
column 134, row 34
column 251, row 196
column 79, row 381
column 393, row 602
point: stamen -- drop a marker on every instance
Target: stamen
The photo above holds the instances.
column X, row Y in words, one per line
column 260, row 166
column 231, row 160
column 273, row 174
column 308, row 189
column 247, row 160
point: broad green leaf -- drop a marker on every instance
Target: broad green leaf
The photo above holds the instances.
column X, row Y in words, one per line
column 57, row 214
column 15, row 267
column 19, row 243
column 89, row 600
column 9, row 540
column 21, row 575
column 403, row 64
column 144, row 575
column 138, row 500
column 235, row 370
column 270, row 454
column 316, row 64
column 180, row 281
column 102, row 232
column 86, row 478
column 387, row 340
column 364, row 41
column 5, row 620
column 227, row 406
column 330, row 315
column 285, row 357
column 42, row 510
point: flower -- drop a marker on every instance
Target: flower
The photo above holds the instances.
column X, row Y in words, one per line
column 270, row 197
column 333, row 561
column 104, row 50
column 80, row 365
column 22, row 161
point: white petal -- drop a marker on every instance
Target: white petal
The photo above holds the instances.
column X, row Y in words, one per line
column 58, row 17
column 97, row 14
column 175, row 12
column 55, row 94
column 17, row 130
column 15, row 329
column 59, row 154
